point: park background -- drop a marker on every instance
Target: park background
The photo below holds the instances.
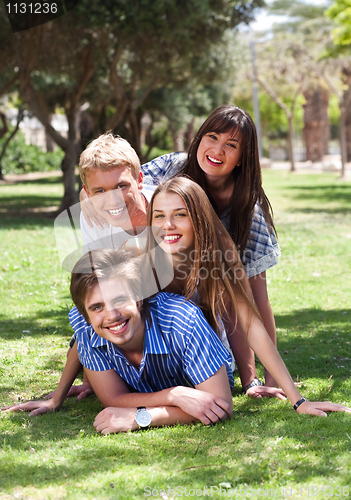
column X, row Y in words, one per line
column 152, row 71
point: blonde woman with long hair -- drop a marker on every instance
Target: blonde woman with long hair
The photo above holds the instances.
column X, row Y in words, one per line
column 208, row 270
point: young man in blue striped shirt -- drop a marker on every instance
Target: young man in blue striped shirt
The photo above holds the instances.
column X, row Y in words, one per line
column 150, row 362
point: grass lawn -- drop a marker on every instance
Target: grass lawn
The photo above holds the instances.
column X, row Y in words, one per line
column 266, row 450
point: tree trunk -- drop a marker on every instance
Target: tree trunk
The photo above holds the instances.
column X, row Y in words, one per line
column 72, row 150
column 316, row 131
column 291, row 143
column 132, row 124
column 343, row 140
column 68, row 164
column 189, row 134
column 49, row 143
column 178, row 140
column 347, row 100
column 4, row 127
column 20, row 115
column 348, row 132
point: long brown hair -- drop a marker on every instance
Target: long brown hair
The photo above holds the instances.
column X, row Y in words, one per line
column 247, row 177
column 217, row 276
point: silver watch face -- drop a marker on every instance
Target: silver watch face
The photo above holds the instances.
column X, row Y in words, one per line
column 143, row 418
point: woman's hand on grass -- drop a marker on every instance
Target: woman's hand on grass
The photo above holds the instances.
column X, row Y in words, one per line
column 262, row 391
column 81, row 391
column 319, row 409
column 89, row 212
column 35, row 407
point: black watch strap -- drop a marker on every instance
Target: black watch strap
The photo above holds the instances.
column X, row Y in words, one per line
column 299, row 403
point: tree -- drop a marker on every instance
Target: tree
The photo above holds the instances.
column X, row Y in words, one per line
column 210, row 86
column 317, row 126
column 172, row 45
column 113, row 55
column 282, row 79
column 49, row 77
column 12, row 134
column 8, row 73
column 334, row 73
column 340, row 13
column 308, row 27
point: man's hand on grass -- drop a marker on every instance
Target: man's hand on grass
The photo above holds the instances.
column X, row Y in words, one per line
column 319, row 409
column 35, row 407
column 112, row 420
column 204, row 406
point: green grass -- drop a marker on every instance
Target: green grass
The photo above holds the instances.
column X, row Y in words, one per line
column 265, row 447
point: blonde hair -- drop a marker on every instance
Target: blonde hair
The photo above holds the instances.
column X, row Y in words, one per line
column 107, row 152
column 224, row 278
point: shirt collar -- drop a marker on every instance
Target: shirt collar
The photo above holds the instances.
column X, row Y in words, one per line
column 154, row 342
column 95, row 339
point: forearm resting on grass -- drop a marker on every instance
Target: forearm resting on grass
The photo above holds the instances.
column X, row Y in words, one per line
column 89, row 212
column 69, row 374
column 266, row 351
column 113, row 420
column 209, row 402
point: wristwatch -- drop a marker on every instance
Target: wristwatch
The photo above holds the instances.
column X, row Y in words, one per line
column 143, row 417
column 255, row 382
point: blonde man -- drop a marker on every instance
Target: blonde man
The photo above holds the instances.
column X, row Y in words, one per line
column 112, row 179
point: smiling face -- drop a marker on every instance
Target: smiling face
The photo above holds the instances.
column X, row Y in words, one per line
column 218, row 154
column 171, row 222
column 116, row 195
column 115, row 315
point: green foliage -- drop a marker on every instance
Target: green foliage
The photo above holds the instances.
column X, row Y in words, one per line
column 340, row 13
column 175, row 105
column 23, row 158
column 266, row 447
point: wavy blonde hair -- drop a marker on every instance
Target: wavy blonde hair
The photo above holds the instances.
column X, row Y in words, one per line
column 107, row 152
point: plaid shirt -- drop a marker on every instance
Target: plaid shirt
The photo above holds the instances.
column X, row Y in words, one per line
column 262, row 249
column 180, row 348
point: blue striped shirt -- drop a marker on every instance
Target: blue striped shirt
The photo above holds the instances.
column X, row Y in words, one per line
column 262, row 249
column 180, row 348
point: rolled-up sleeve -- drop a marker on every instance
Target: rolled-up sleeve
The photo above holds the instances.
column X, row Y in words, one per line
column 262, row 249
column 162, row 168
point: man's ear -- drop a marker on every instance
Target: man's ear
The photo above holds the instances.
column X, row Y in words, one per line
column 140, row 180
column 86, row 190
